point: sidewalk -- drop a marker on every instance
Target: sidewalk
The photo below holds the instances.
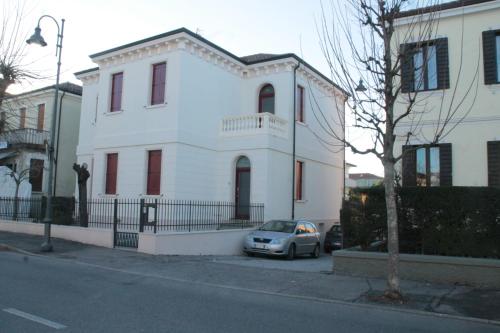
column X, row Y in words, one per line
column 222, row 271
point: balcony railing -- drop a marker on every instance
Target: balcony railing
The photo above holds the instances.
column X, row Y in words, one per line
column 24, row 136
column 259, row 123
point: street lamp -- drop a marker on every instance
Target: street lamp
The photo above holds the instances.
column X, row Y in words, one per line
column 37, row 38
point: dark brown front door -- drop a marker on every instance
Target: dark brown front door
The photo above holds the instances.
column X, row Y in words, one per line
column 242, row 195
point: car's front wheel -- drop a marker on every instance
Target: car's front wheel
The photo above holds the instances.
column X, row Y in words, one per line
column 291, row 252
column 315, row 253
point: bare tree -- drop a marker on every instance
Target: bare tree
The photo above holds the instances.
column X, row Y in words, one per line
column 363, row 50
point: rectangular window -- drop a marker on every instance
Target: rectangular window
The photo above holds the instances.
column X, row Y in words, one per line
column 22, row 118
column 425, row 68
column 116, row 92
column 41, row 116
column 111, row 173
column 498, row 57
column 299, row 185
column 493, row 148
column 36, row 175
column 154, row 172
column 158, row 83
column 300, row 104
column 428, row 166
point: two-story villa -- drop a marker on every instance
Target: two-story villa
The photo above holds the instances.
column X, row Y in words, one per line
column 456, row 73
column 178, row 117
column 25, row 125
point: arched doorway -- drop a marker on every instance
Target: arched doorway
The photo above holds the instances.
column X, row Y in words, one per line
column 242, row 188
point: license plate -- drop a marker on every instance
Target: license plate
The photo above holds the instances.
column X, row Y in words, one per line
column 260, row 246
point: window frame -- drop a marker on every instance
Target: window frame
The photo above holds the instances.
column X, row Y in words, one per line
column 263, row 96
column 300, row 104
column 424, row 47
column 149, row 173
column 299, row 180
column 497, row 54
column 40, row 122
column 428, row 165
column 112, row 106
column 152, row 86
column 107, row 173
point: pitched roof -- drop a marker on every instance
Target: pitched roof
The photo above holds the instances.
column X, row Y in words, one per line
column 440, row 7
column 66, row 86
column 357, row 176
column 246, row 60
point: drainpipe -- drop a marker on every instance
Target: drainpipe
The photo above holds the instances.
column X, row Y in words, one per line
column 293, row 138
column 57, row 144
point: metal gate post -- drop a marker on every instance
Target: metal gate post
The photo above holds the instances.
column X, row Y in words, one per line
column 142, row 216
column 115, row 220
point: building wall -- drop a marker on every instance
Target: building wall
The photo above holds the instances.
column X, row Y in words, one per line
column 482, row 122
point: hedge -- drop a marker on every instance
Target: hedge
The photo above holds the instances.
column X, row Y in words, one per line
column 451, row 221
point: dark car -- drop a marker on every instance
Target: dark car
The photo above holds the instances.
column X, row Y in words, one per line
column 333, row 239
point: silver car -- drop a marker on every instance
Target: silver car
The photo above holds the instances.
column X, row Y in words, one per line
column 284, row 238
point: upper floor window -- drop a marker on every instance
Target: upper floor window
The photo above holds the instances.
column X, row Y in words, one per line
column 41, row 117
column 158, row 83
column 300, row 104
column 266, row 99
column 427, row 165
column 116, row 92
column 424, row 66
column 491, row 56
column 22, row 118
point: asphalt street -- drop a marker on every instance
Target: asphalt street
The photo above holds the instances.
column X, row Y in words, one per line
column 46, row 294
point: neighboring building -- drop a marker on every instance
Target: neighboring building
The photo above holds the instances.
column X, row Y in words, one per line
column 25, row 125
column 365, row 180
column 464, row 55
column 178, row 117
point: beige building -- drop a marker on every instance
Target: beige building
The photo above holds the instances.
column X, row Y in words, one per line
column 25, row 125
column 454, row 74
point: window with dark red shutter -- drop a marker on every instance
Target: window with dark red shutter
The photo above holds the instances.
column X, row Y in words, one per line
column 427, row 165
column 493, row 148
column 158, row 83
column 41, row 117
column 22, row 118
column 299, row 186
column 116, row 92
column 36, row 175
column 111, row 173
column 154, row 172
column 300, row 104
column 491, row 56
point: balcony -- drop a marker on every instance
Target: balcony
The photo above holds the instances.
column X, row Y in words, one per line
column 259, row 123
column 25, row 137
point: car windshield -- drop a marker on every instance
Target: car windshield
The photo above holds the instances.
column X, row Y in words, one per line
column 279, row 226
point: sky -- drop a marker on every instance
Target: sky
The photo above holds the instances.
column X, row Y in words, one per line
column 241, row 27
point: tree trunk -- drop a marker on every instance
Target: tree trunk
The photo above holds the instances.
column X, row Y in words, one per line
column 393, row 288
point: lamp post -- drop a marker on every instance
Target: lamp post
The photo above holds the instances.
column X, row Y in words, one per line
column 37, row 38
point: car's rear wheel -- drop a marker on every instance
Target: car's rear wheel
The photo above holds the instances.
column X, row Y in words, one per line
column 315, row 253
column 250, row 254
column 291, row 252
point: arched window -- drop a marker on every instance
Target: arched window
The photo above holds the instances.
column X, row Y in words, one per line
column 243, row 162
column 242, row 188
column 266, row 99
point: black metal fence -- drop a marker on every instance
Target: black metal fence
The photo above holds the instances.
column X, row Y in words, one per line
column 134, row 215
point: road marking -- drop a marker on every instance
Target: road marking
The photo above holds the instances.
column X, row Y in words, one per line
column 34, row 318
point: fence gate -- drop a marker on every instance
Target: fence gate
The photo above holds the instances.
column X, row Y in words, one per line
column 130, row 218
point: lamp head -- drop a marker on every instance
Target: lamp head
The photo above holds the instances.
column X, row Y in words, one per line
column 361, row 87
column 37, row 38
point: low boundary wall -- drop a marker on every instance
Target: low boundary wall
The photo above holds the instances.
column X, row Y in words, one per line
column 437, row 269
column 216, row 242
column 93, row 236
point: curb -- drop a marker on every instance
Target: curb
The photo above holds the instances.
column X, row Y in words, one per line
column 308, row 298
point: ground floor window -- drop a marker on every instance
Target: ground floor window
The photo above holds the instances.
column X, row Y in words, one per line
column 493, row 148
column 36, row 175
column 111, row 173
column 299, row 180
column 427, row 165
column 154, row 172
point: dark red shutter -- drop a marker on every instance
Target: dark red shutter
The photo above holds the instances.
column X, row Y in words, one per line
column 445, row 165
column 489, row 57
column 299, row 166
column 154, row 172
column 443, row 66
column 22, row 120
column 493, row 163
column 36, row 175
column 300, row 115
column 409, row 166
column 111, row 173
column 41, row 117
column 116, row 92
column 158, row 83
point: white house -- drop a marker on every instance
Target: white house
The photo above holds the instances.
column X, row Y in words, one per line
column 456, row 73
column 25, row 124
column 176, row 116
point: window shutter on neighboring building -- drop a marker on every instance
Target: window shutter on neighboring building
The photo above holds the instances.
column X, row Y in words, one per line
column 489, row 53
column 445, row 162
column 443, row 65
column 409, row 166
column 493, row 163
column 406, row 68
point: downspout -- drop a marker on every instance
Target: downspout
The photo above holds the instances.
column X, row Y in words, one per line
column 293, row 136
column 57, row 143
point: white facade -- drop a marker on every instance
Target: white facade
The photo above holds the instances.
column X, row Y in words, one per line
column 22, row 143
column 474, row 102
column 209, row 119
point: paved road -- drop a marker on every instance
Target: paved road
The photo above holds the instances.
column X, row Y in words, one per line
column 50, row 294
